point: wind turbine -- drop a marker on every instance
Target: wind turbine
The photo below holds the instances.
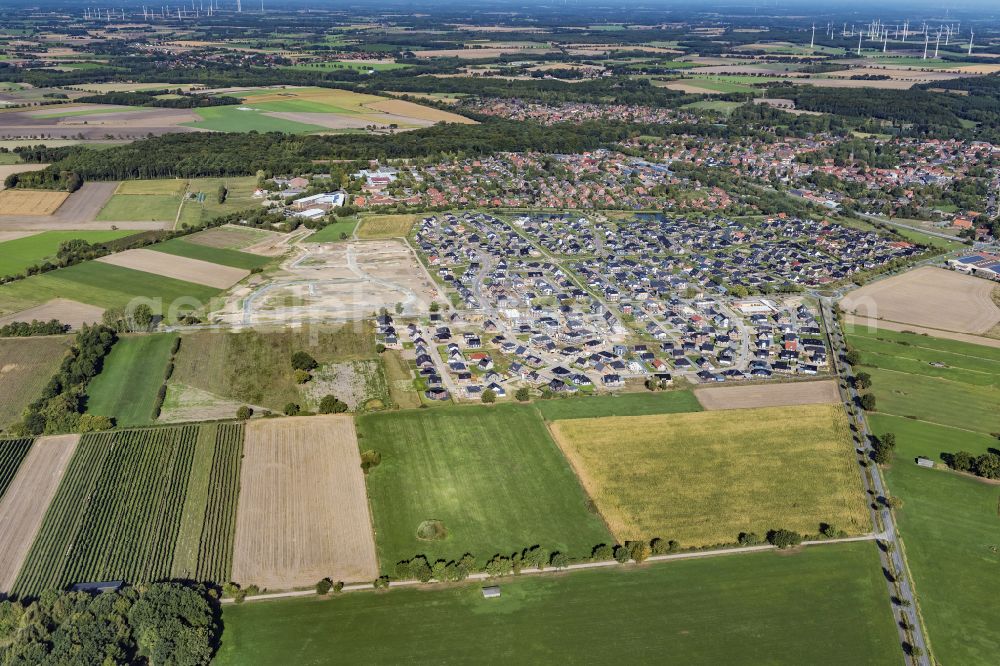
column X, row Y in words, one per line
column 971, row 35
column 812, row 41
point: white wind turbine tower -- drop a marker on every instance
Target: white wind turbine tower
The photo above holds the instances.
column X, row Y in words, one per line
column 239, row 7
column 926, row 41
column 937, row 43
column 906, row 29
column 812, row 41
column 971, row 35
column 885, row 42
column 860, row 36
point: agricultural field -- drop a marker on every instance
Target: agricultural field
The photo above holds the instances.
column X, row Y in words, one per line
column 732, row 610
column 374, row 227
column 204, row 549
column 12, row 453
column 229, row 237
column 303, row 514
column 939, row 396
column 928, row 296
column 331, row 233
column 119, row 512
column 254, row 367
column 31, row 202
column 768, row 395
column 724, row 472
column 437, row 491
column 30, row 250
column 626, row 404
column 177, row 267
column 26, row 497
column 311, row 110
column 145, row 200
column 26, row 365
column 182, row 247
column 132, row 374
column 101, row 284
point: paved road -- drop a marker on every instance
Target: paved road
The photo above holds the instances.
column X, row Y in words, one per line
column 894, row 223
column 875, row 487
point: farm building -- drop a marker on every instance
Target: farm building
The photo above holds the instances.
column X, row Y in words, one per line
column 491, row 592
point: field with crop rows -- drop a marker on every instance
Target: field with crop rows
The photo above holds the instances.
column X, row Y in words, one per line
column 215, row 553
column 115, row 516
column 12, row 452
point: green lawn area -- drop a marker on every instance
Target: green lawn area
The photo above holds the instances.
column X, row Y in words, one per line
column 823, row 605
column 491, row 475
column 9, row 158
column 331, row 232
column 132, row 374
column 714, row 105
column 140, row 208
column 231, row 119
column 628, row 404
column 951, row 533
column 948, row 521
column 98, row 284
column 718, row 85
column 234, row 258
column 18, row 254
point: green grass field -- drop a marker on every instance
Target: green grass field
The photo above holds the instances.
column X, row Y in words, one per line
column 948, row 521
column 714, row 105
column 232, row 119
column 628, row 404
column 824, row 605
column 28, row 364
column 332, row 232
column 493, row 476
column 132, row 374
column 951, row 533
column 702, row 478
column 98, row 284
column 140, row 208
column 17, row 255
column 182, row 248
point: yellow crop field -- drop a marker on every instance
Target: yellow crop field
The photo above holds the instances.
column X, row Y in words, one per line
column 386, row 226
column 31, row 202
column 702, row 478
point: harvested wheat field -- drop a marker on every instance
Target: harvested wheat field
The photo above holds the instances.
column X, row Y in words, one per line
column 27, row 499
column 179, row 268
column 405, row 109
column 930, row 297
column 31, row 202
column 72, row 313
column 768, row 395
column 703, row 477
column 303, row 512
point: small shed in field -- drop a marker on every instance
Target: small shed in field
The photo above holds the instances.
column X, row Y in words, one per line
column 925, row 462
column 491, row 592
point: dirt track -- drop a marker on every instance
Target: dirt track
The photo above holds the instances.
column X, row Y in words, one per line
column 303, row 510
column 27, row 499
column 768, row 395
column 928, row 296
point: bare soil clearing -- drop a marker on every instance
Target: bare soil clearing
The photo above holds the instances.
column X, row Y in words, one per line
column 303, row 511
column 180, row 268
column 68, row 312
column 27, row 499
column 768, row 395
column 928, row 296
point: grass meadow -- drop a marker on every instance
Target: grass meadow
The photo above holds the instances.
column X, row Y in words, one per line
column 627, row 404
column 331, row 233
column 386, row 226
column 132, row 374
column 232, row 119
column 702, row 478
column 27, row 364
column 948, row 521
column 820, row 605
column 17, row 255
column 491, row 475
column 254, row 367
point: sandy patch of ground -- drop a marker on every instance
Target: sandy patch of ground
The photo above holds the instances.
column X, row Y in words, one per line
column 27, row 499
column 303, row 510
column 768, row 395
column 873, row 325
column 74, row 313
column 180, row 268
column 7, row 169
column 928, row 296
column 31, row 202
column 336, row 282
